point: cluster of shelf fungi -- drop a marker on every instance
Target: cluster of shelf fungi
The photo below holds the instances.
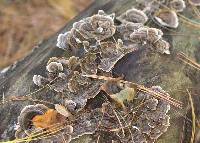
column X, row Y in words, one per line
column 93, row 101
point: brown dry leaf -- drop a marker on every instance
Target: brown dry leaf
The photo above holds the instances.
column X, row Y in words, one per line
column 50, row 118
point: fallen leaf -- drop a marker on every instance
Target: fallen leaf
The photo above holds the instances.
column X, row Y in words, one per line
column 50, row 118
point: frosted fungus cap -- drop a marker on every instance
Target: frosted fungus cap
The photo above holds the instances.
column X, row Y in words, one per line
column 54, row 67
column 62, row 41
column 194, row 2
column 162, row 46
column 28, row 112
column 134, row 15
column 99, row 26
column 177, row 5
column 167, row 18
column 39, row 80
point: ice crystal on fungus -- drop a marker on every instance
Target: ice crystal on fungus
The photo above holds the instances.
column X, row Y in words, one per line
column 134, row 15
column 178, row 5
column 39, row 80
column 101, row 44
column 167, row 18
column 28, row 113
column 54, row 67
column 194, row 2
column 35, row 118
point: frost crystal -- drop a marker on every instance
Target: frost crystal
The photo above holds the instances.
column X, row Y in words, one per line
column 134, row 15
column 167, row 18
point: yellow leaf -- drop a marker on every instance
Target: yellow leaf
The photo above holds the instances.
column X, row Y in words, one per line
column 127, row 94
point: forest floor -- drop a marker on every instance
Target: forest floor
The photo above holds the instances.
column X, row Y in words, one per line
column 24, row 23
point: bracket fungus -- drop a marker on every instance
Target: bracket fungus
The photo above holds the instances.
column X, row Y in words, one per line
column 39, row 80
column 177, row 5
column 152, row 36
column 133, row 15
column 88, row 64
column 62, row 40
column 35, row 121
column 97, row 27
column 54, row 67
column 76, row 79
column 112, row 52
column 167, row 18
column 194, row 2
column 125, row 29
column 28, row 113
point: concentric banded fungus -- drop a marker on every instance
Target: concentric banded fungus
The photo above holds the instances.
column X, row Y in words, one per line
column 152, row 121
column 28, row 113
column 88, row 64
column 86, row 123
column 194, row 2
column 72, row 77
column 62, row 41
column 70, row 81
column 98, row 27
column 54, row 67
column 112, row 52
column 65, row 134
column 126, row 29
column 77, row 82
column 20, row 134
column 150, row 6
column 162, row 46
column 72, row 63
column 39, row 80
column 146, row 34
column 60, row 69
column 133, row 15
column 177, row 5
column 42, row 136
column 152, row 36
column 167, row 18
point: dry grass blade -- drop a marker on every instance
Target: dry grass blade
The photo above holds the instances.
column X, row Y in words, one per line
column 161, row 96
column 50, row 131
column 128, row 126
column 28, row 96
column 121, row 126
column 193, row 118
column 196, row 11
column 116, row 115
column 188, row 61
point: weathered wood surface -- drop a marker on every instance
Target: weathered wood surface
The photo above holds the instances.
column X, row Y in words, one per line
column 141, row 67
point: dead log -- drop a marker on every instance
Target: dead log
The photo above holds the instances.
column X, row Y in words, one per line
column 140, row 66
